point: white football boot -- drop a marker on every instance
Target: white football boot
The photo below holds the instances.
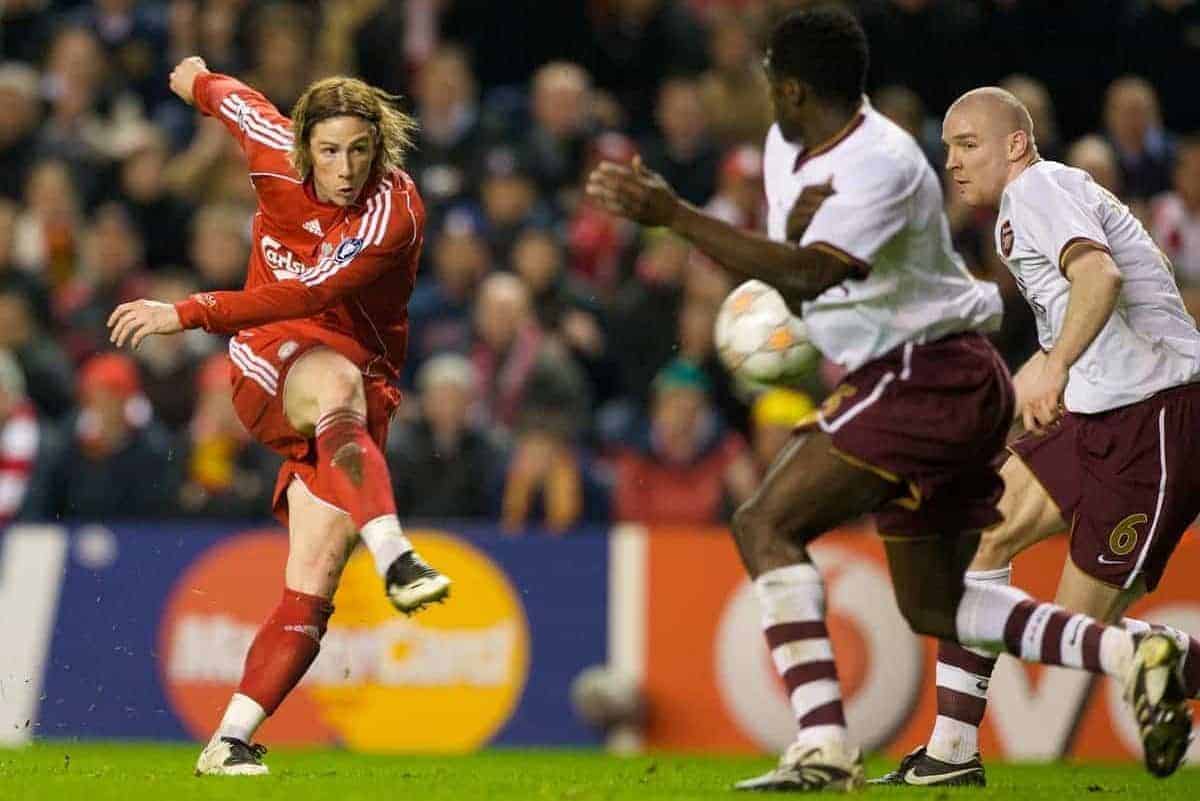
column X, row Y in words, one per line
column 805, row 767
column 227, row 756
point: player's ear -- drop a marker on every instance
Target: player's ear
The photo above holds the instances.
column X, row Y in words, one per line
column 1018, row 145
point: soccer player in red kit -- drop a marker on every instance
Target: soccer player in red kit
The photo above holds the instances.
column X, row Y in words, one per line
column 319, row 331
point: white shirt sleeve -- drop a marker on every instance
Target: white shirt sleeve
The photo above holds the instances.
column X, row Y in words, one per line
column 869, row 207
column 1051, row 216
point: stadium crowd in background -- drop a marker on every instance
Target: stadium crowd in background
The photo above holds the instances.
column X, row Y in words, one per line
column 561, row 366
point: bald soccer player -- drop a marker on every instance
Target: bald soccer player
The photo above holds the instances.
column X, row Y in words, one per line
column 1111, row 407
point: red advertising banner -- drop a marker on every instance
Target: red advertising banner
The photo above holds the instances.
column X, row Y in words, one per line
column 711, row 685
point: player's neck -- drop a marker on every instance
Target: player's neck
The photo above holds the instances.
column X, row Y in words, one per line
column 1021, row 166
column 827, row 125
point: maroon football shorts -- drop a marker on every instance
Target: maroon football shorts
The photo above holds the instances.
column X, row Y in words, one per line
column 261, row 360
column 933, row 418
column 1128, row 480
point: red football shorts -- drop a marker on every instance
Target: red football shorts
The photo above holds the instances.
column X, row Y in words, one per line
column 261, row 360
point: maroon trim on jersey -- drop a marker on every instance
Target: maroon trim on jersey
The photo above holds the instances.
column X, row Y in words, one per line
column 1075, row 243
column 860, row 267
column 804, row 155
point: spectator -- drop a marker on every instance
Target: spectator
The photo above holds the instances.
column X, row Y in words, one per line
column 599, row 242
column 645, row 314
column 168, row 365
column 226, row 474
column 23, row 446
column 510, row 200
column 516, row 366
column 443, row 464
column 739, row 199
column 439, row 314
column 1095, row 156
column 450, row 140
column 561, row 125
column 1175, row 222
column 12, row 278
column 19, row 118
column 1145, row 149
column 219, row 247
column 1036, row 97
column 550, row 482
column 118, row 462
column 46, row 240
column 687, row 469
column 110, row 275
column 775, row 415
column 133, row 36
column 159, row 215
column 637, row 43
column 281, row 48
column 734, row 90
column 85, row 110
column 565, row 309
column 45, row 367
column 682, row 150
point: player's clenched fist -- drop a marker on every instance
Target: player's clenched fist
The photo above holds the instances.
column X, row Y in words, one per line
column 138, row 319
column 184, row 75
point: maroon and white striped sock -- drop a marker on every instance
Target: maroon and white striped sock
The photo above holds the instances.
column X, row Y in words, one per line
column 793, row 606
column 999, row 617
column 962, row 683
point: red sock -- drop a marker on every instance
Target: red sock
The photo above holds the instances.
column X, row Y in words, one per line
column 284, row 648
column 356, row 468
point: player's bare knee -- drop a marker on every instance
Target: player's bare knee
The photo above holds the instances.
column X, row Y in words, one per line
column 751, row 529
column 341, row 387
column 929, row 621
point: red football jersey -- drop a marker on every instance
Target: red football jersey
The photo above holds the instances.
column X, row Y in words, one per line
column 341, row 274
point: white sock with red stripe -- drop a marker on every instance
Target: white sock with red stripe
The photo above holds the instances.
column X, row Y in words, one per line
column 793, row 607
column 962, row 682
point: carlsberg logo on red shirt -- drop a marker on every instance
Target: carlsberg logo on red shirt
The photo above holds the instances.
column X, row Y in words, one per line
column 282, row 261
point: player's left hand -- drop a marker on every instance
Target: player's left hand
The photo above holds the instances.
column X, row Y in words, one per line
column 1043, row 406
column 134, row 321
column 634, row 192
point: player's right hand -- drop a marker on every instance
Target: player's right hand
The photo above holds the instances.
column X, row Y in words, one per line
column 184, row 76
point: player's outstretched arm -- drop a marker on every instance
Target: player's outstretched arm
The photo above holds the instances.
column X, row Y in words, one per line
column 183, row 78
column 798, row 273
column 134, row 321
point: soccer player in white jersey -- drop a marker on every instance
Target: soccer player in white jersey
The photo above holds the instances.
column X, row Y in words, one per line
column 912, row 431
column 1111, row 405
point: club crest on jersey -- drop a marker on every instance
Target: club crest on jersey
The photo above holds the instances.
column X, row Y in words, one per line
column 1006, row 238
column 346, row 250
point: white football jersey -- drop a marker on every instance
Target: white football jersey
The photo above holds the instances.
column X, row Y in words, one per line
column 885, row 214
column 1150, row 343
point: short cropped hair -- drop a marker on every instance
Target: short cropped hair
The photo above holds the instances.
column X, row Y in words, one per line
column 339, row 96
column 825, row 48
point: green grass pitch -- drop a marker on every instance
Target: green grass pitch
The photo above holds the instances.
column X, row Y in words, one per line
column 50, row 771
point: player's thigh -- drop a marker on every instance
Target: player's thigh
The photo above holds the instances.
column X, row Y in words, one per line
column 320, row 539
column 1030, row 516
column 1079, row 592
column 810, row 489
column 319, row 380
column 927, row 578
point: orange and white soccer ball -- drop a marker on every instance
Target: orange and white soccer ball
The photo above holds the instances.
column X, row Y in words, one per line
column 760, row 340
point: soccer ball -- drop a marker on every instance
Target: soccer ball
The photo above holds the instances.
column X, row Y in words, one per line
column 760, row 340
column 606, row 698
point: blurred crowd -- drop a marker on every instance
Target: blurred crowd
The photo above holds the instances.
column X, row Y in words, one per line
column 561, row 367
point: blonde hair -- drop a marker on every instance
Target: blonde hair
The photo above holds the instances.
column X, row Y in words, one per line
column 340, row 96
